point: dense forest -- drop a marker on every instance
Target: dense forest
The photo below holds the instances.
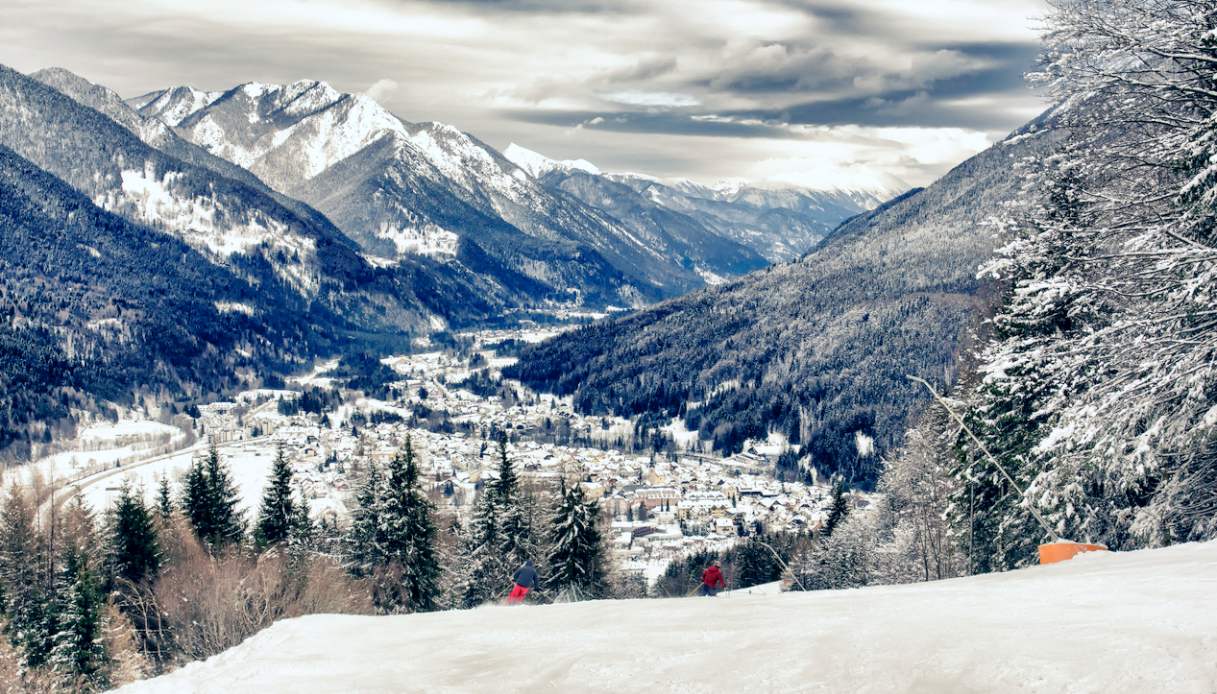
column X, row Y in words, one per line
column 82, row 320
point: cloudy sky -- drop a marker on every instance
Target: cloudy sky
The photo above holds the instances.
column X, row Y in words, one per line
column 827, row 93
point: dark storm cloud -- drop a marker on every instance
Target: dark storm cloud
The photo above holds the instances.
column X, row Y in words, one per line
column 835, row 16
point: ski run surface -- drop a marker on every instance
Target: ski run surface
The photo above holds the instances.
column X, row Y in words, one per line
column 1129, row 622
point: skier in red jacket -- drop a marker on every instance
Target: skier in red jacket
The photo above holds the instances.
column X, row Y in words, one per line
column 712, row 580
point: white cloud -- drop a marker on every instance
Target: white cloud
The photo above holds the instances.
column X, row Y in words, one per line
column 478, row 66
column 658, row 99
column 382, row 89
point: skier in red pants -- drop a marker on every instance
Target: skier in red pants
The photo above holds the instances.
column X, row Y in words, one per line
column 525, row 579
column 712, row 580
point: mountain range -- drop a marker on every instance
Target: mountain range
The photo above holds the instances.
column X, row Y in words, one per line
column 400, row 188
column 815, row 350
column 778, row 223
column 314, row 221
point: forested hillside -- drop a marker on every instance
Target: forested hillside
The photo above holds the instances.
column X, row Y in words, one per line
column 94, row 308
column 1088, row 412
column 817, row 349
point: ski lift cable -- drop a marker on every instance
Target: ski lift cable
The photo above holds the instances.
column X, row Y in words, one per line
column 985, row 450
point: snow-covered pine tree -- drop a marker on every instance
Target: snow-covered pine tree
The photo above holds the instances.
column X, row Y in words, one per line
column 481, row 576
column 1123, row 444
column 302, row 533
column 839, row 507
column 164, row 501
column 22, row 574
column 363, row 541
column 134, row 550
column 513, row 526
column 278, row 510
column 576, row 557
column 409, row 567
column 79, row 655
column 1008, row 402
column 227, row 525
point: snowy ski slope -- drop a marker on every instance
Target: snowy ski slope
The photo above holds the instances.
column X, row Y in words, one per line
column 1133, row 622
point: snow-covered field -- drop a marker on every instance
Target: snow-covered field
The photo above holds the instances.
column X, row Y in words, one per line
column 250, row 465
column 1132, row 622
column 101, row 446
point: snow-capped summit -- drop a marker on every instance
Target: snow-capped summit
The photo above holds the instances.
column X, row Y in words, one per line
column 400, row 187
column 537, row 164
column 175, row 104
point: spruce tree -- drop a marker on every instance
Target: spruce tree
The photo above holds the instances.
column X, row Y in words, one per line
column 195, row 500
column 481, row 576
column 576, row 564
column 302, row 533
column 135, row 555
column 514, row 531
column 164, row 501
column 79, row 653
column 408, row 538
column 278, row 510
column 839, row 508
column 363, row 539
column 26, row 601
column 227, row 526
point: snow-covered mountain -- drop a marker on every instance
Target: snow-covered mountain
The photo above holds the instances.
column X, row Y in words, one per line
column 537, row 164
column 106, row 307
column 781, row 223
column 816, row 349
column 713, row 256
column 1132, row 622
column 235, row 221
column 401, row 188
column 777, row 222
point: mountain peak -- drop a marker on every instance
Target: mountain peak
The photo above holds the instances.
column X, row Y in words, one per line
column 174, row 104
column 537, row 164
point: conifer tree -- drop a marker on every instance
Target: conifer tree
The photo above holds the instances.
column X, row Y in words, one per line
column 408, row 539
column 227, row 526
column 135, row 555
column 363, row 538
column 79, row 653
column 513, row 528
column 194, row 500
column 480, row 576
column 164, row 501
column 302, row 533
column 576, row 564
column 839, row 508
column 278, row 511
column 26, row 602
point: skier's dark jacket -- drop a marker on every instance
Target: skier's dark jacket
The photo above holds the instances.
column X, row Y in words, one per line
column 526, row 576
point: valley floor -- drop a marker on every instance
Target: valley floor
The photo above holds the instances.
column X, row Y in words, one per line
column 1129, row 622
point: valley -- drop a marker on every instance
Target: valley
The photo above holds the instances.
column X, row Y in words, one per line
column 425, row 345
column 665, row 494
